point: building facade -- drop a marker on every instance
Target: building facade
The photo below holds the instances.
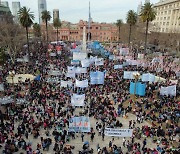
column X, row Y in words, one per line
column 42, row 6
column 5, row 13
column 103, row 32
column 55, row 14
column 167, row 16
column 15, row 9
column 5, row 3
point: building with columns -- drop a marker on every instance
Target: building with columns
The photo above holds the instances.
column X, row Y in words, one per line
column 167, row 17
column 103, row 32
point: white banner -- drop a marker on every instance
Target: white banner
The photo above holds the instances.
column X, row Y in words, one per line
column 140, row 56
column 77, row 100
column 86, row 62
column 148, row 77
column 80, row 70
column 99, row 61
column 82, row 84
column 66, row 83
column 71, row 72
column 52, row 54
column 118, row 132
column 170, row 90
column 79, row 55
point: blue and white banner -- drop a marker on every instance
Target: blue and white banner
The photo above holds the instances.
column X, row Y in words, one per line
column 80, row 70
column 79, row 55
column 79, row 124
column 124, row 51
column 118, row 67
column 99, row 61
column 82, row 84
column 53, row 80
column 71, row 71
column 92, row 59
column 77, row 100
column 75, row 62
column 139, row 90
column 170, row 90
column 148, row 77
column 86, row 62
column 97, row 77
column 6, row 100
column 129, row 74
column 118, row 132
column 66, row 83
column 1, row 87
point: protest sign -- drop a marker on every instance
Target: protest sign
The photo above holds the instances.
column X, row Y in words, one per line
column 74, row 62
column 169, row 90
column 77, row 100
column 82, row 84
column 99, row 61
column 129, row 74
column 148, row 77
column 80, row 70
column 118, row 67
column 79, row 124
column 140, row 88
column 66, row 83
column 97, row 77
column 118, row 132
column 79, row 55
column 86, row 62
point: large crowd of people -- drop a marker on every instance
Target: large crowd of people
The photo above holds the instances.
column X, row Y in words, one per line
column 42, row 123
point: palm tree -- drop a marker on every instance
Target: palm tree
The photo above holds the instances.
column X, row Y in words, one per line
column 147, row 15
column 46, row 17
column 37, row 30
column 26, row 20
column 57, row 25
column 119, row 24
column 131, row 20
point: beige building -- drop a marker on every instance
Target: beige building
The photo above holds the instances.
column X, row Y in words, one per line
column 168, row 16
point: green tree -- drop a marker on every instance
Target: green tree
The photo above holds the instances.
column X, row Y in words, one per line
column 131, row 20
column 46, row 17
column 147, row 15
column 37, row 30
column 26, row 20
column 57, row 25
column 119, row 24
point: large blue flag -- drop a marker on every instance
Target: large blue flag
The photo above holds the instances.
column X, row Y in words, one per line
column 140, row 88
column 97, row 77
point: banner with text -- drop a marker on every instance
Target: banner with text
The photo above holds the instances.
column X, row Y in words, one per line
column 118, row 132
column 77, row 100
column 82, row 84
column 97, row 77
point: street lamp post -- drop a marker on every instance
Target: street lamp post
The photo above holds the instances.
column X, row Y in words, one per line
column 12, row 75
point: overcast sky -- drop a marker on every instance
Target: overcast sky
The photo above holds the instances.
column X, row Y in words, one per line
column 74, row 10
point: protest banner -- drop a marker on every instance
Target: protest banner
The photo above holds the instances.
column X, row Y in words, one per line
column 80, row 70
column 66, row 83
column 53, row 80
column 97, row 77
column 169, row 90
column 118, row 132
column 79, row 124
column 82, row 84
column 52, row 54
column 118, row 67
column 79, row 55
column 148, row 77
column 55, row 72
column 140, row 56
column 6, row 100
column 124, row 51
column 77, row 100
column 86, row 62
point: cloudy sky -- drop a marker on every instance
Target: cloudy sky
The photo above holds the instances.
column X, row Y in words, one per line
column 74, row 10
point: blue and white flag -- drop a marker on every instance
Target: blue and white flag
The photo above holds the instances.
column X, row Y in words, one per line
column 99, row 61
column 170, row 90
column 71, row 71
column 79, row 124
column 118, row 67
column 139, row 90
column 79, row 55
column 82, row 84
column 77, row 100
column 129, row 74
column 97, row 77
column 148, row 77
